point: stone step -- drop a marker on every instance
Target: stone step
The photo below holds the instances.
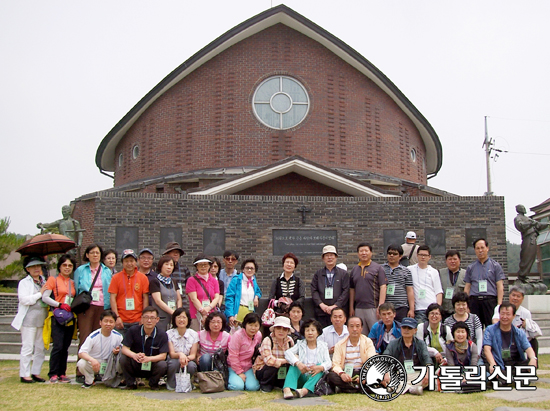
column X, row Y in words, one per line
column 13, row 336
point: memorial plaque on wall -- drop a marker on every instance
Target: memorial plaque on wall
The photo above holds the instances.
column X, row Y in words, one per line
column 303, row 242
column 471, row 235
column 393, row 237
column 435, row 239
column 126, row 238
column 213, row 240
column 169, row 235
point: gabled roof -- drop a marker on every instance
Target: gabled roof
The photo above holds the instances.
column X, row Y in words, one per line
column 298, row 165
column 105, row 156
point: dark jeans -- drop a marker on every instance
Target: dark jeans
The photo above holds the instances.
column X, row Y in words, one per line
column 268, row 376
column 61, row 337
column 323, row 319
column 401, row 313
column 132, row 370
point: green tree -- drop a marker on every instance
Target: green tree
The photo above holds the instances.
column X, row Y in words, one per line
column 9, row 242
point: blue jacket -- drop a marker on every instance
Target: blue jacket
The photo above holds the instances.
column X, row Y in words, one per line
column 83, row 281
column 493, row 338
column 376, row 334
column 233, row 295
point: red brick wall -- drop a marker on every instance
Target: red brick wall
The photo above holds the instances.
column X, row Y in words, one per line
column 292, row 184
column 206, row 120
column 84, row 212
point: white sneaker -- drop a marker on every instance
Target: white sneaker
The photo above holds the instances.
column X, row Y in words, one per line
column 416, row 390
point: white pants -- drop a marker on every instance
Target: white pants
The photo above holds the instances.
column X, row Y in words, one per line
column 85, row 367
column 32, row 348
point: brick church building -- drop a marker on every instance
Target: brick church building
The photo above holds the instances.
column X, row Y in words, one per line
column 276, row 137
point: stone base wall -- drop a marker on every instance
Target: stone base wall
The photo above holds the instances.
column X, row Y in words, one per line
column 248, row 222
column 8, row 304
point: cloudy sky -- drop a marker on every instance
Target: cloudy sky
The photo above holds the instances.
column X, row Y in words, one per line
column 71, row 70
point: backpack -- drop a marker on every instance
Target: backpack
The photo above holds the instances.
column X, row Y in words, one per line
column 219, row 363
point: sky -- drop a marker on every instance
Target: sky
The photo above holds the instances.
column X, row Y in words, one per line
column 70, row 70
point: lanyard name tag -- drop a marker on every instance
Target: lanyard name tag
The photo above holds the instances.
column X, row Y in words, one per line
column 449, row 293
column 391, row 289
column 205, row 304
column 130, row 304
column 68, row 299
column 422, row 293
column 281, row 374
column 329, row 293
column 409, row 366
column 146, row 366
column 348, row 369
column 102, row 368
column 251, row 306
column 172, row 305
column 506, row 354
column 95, row 295
column 482, row 286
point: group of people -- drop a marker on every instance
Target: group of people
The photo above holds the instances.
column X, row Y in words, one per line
column 161, row 321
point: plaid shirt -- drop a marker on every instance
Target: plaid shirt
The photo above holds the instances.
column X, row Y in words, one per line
column 272, row 354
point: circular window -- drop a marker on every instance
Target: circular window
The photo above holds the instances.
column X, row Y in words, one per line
column 280, row 102
column 120, row 159
column 413, row 155
column 135, row 151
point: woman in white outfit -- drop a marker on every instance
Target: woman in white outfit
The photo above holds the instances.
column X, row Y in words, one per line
column 30, row 318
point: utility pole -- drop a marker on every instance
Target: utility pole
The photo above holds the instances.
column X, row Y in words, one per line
column 488, row 143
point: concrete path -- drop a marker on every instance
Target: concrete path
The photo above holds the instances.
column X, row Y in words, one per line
column 176, row 396
column 541, row 394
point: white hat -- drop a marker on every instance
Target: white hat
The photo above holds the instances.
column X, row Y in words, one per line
column 329, row 249
column 342, row 266
column 281, row 321
column 411, row 235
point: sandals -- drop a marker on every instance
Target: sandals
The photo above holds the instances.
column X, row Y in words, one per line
column 302, row 392
column 288, row 395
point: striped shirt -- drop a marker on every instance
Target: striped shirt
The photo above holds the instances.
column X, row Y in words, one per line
column 474, row 324
column 207, row 346
column 400, row 277
column 271, row 353
column 353, row 355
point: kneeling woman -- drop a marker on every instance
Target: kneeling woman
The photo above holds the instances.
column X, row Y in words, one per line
column 241, row 350
column 183, row 344
column 309, row 359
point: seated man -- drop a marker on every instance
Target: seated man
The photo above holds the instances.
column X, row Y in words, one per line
column 144, row 350
column 411, row 352
column 97, row 348
column 335, row 332
column 349, row 356
column 523, row 319
column 504, row 344
column 385, row 330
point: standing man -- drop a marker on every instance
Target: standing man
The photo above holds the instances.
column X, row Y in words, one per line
column 145, row 262
column 335, row 332
column 367, row 288
column 230, row 259
column 484, row 283
column 181, row 273
column 400, row 290
column 329, row 287
column 144, row 351
column 427, row 284
column 504, row 344
column 452, row 280
column 410, row 250
column 349, row 356
column 129, row 292
column 97, row 348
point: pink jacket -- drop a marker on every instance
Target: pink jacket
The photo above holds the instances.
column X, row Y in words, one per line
column 241, row 349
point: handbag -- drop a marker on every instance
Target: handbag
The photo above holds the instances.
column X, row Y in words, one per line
column 63, row 317
column 183, row 381
column 210, row 381
column 268, row 317
column 83, row 300
column 219, row 363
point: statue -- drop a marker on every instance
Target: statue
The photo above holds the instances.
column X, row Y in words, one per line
column 529, row 230
column 68, row 226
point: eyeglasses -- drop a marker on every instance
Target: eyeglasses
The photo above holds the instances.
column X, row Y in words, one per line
column 66, row 265
column 147, row 318
column 230, row 259
column 249, row 268
column 435, row 314
column 423, row 255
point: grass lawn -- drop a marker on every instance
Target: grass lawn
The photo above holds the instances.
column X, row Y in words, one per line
column 17, row 396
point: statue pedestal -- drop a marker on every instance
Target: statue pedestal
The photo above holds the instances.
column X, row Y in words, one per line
column 537, row 303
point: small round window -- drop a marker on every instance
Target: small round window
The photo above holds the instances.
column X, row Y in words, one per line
column 135, row 151
column 413, row 155
column 120, row 160
column 280, row 102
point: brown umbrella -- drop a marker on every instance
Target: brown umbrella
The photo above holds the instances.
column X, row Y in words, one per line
column 45, row 244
